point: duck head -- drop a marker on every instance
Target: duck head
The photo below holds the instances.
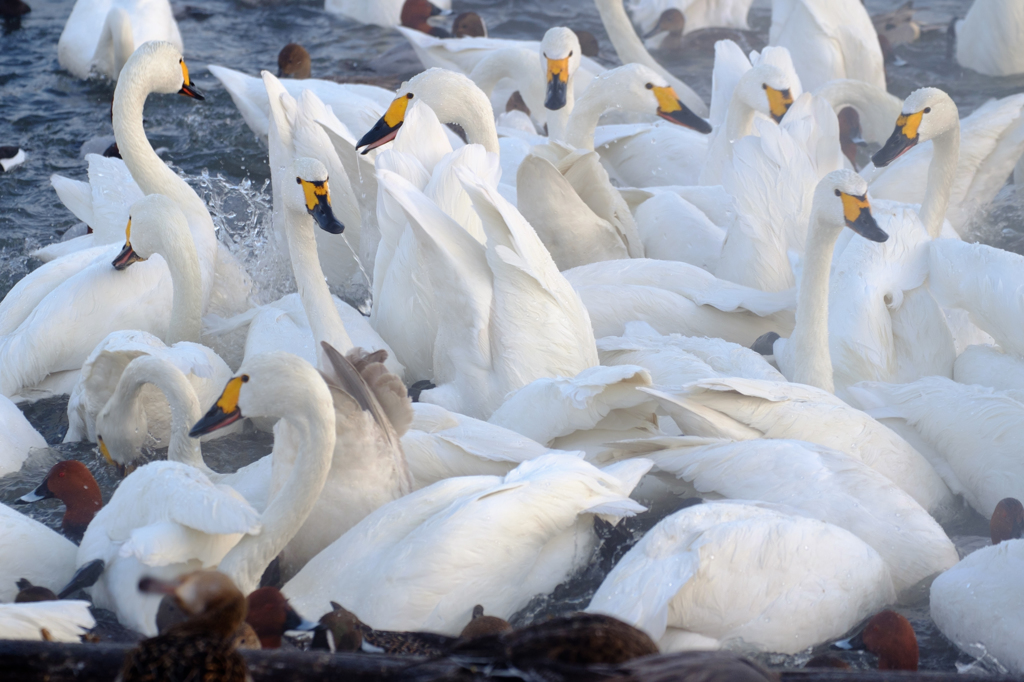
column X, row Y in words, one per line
column 74, row 485
column 927, row 113
column 561, row 54
column 671, row 21
column 469, row 25
column 481, row 625
column 339, row 630
column 293, row 62
column 416, row 13
column 270, row 616
column 841, row 200
column 1007, row 520
column 889, row 636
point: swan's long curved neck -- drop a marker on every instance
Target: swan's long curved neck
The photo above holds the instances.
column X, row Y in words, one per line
column 311, row 414
column 558, row 121
column 876, row 107
column 813, row 361
column 941, row 174
column 116, row 42
column 185, row 409
column 152, row 174
column 469, row 108
column 324, row 320
column 187, row 303
column 582, row 122
column 631, row 50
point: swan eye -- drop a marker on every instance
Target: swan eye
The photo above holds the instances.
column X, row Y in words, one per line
column 409, row 96
column 245, row 378
column 570, row 52
column 764, row 86
column 838, row 193
column 649, row 86
column 298, row 181
column 927, row 110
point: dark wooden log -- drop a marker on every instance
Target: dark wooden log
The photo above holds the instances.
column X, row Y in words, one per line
column 56, row 662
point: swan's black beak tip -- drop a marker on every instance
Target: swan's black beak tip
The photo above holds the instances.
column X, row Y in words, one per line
column 190, row 90
column 215, row 419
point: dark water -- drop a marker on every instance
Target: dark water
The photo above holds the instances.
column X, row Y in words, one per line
column 51, row 114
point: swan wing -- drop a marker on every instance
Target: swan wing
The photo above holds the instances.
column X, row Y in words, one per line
column 63, row 621
column 30, row 550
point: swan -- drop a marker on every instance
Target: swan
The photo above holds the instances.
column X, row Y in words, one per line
column 828, row 40
column 30, row 550
column 840, row 201
column 386, row 12
column 745, row 409
column 973, row 605
column 698, row 14
column 424, row 561
column 156, row 228
column 122, row 425
column 100, row 35
column 167, row 518
column 735, row 574
column 677, row 360
column 19, row 438
column 988, row 37
column 884, row 324
column 49, row 621
column 974, row 456
column 631, row 49
column 677, row 298
column 845, row 492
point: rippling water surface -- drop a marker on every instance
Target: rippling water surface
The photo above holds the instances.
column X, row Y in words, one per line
column 51, row 115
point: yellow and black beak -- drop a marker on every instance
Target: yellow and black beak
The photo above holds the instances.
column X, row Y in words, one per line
column 558, row 83
column 779, row 102
column 187, row 88
column 122, row 469
column 386, row 129
column 127, row 255
column 671, row 109
column 902, row 139
column 857, row 211
column 318, row 203
column 224, row 412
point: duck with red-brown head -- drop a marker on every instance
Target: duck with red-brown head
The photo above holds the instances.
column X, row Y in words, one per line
column 889, row 636
column 270, row 615
column 1007, row 520
column 73, row 484
column 415, row 14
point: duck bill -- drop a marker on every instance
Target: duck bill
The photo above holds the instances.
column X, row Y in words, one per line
column 187, row 88
column 558, row 84
column 857, row 212
column 779, row 102
column 671, row 109
column 386, row 128
column 224, row 412
column 149, row 585
column 318, row 203
column 436, row 11
column 42, row 492
column 293, row 622
column 126, row 257
column 900, row 142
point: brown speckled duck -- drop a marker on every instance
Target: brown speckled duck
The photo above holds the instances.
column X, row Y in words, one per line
column 480, row 625
column 200, row 648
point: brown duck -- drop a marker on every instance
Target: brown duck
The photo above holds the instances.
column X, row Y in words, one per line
column 341, row 630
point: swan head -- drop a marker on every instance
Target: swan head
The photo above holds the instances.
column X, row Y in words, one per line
column 637, row 87
column 926, row 114
column 293, row 62
column 1007, row 520
column 889, row 636
column 152, row 220
column 841, row 200
column 163, row 67
column 311, row 194
column 267, row 385
column 561, row 52
column 765, row 88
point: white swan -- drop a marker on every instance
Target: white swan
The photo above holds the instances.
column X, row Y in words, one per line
column 631, row 50
column 733, row 574
column 30, row 550
column 744, row 409
column 423, row 562
column 19, row 438
column 698, row 13
column 156, row 228
column 100, row 35
column 384, row 12
column 845, row 492
column 988, row 38
column 973, row 605
column 828, row 40
column 167, row 518
column 976, row 457
column 50, row 621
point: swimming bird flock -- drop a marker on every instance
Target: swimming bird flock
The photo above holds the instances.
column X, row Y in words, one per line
column 591, row 295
